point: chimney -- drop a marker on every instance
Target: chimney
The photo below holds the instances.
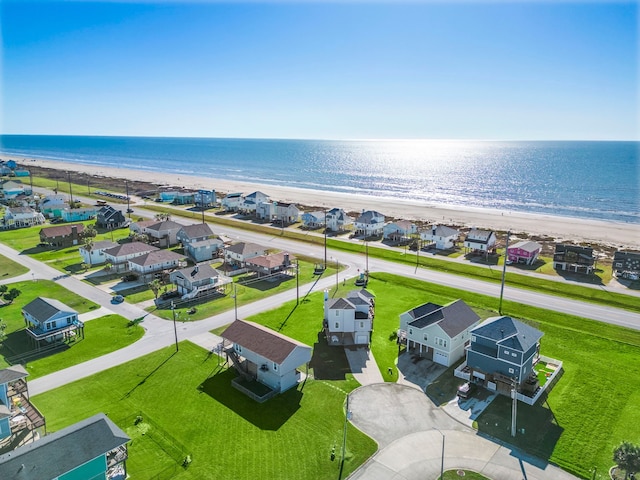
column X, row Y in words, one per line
column 286, row 260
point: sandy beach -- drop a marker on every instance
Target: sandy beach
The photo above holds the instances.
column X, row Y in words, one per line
column 612, row 234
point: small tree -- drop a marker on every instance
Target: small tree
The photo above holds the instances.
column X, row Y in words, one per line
column 12, row 294
column 627, row 457
column 163, row 216
column 90, row 232
column 155, row 286
column 3, row 289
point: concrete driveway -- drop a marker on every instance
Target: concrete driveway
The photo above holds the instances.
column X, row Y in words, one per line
column 411, row 432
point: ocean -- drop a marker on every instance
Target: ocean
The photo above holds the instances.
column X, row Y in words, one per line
column 592, row 180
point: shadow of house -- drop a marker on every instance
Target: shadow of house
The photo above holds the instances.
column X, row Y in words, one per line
column 328, row 363
column 538, row 431
column 270, row 415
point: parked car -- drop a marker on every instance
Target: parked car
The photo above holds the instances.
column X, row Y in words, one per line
column 117, row 299
column 466, row 389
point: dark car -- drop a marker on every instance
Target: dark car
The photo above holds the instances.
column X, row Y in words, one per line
column 466, row 389
column 117, row 299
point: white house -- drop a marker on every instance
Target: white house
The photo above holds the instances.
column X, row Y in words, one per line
column 439, row 333
column 231, row 203
column 17, row 217
column 349, row 321
column 338, row 220
column 95, row 254
column 480, row 240
column 443, row 237
column 119, row 256
column 286, row 213
column 266, row 356
column 370, row 224
column 250, row 202
column 154, row 262
column 240, row 252
column 265, row 210
column 399, row 231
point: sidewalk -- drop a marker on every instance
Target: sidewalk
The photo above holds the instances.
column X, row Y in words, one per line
column 363, row 366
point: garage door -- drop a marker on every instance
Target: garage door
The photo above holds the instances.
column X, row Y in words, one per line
column 362, row 339
column 441, row 358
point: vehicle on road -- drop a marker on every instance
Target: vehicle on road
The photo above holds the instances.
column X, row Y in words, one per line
column 117, row 299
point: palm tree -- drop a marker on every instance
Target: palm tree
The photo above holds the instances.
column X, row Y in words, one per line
column 627, row 457
column 88, row 246
column 90, row 231
column 155, row 286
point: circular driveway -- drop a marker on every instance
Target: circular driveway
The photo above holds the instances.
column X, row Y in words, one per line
column 411, row 433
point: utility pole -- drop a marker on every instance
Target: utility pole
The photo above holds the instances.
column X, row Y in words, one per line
column 297, row 282
column 175, row 329
column 514, row 406
column 126, row 186
column 336, row 275
column 504, row 272
column 442, row 458
column 235, row 299
column 70, row 191
column 88, row 187
column 325, row 239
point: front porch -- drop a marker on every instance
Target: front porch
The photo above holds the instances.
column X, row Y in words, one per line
column 25, row 419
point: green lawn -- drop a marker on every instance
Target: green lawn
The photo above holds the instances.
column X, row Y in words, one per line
column 102, row 335
column 593, row 406
column 17, row 341
column 467, row 475
column 10, row 269
column 188, row 407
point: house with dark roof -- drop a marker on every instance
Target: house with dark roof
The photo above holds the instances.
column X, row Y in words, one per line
column 199, row 242
column 91, row 449
column 48, row 320
column 265, row 356
column 525, row 252
column 199, row 280
column 338, row 220
column 502, row 354
column 349, row 320
column 626, row 264
column 480, row 241
column 436, row 332
column 238, row 253
column 574, row 258
column 369, row 224
column 399, row 231
column 94, row 254
column 156, row 261
column 440, row 236
column 17, row 413
column 62, row 235
column 231, row 202
column 270, row 264
column 110, row 218
column 118, row 257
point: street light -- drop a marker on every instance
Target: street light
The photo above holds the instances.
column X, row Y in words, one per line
column 175, row 329
column 504, row 272
column 235, row 299
column 442, row 456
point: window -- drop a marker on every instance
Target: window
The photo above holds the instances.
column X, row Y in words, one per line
column 337, row 313
column 238, row 347
column 69, row 321
column 445, row 344
column 337, row 324
column 473, row 338
column 513, row 354
column 361, row 324
column 506, row 352
column 426, row 337
column 511, row 370
column 411, row 331
column 275, row 366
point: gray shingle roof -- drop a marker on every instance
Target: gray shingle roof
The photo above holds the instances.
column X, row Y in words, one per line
column 244, row 247
column 527, row 246
column 265, row 342
column 165, row 225
column 197, row 231
column 479, row 236
column 12, row 373
column 130, row 249
column 453, row 318
column 198, row 272
column 509, row 332
column 43, row 308
column 156, row 257
column 340, row 304
column 62, row 451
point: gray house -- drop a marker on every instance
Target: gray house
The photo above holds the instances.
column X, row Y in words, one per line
column 49, row 320
column 626, row 264
column 110, row 218
column 199, row 242
column 502, row 353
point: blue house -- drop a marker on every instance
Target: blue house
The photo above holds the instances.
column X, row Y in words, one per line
column 502, row 353
column 205, row 198
column 49, row 320
column 16, row 411
column 94, row 448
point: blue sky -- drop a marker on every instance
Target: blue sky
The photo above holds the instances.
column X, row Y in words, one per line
column 461, row 70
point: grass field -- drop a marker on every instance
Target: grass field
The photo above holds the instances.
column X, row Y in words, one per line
column 10, row 269
column 188, row 407
column 590, row 410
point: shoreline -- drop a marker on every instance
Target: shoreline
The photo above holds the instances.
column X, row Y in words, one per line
column 561, row 229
